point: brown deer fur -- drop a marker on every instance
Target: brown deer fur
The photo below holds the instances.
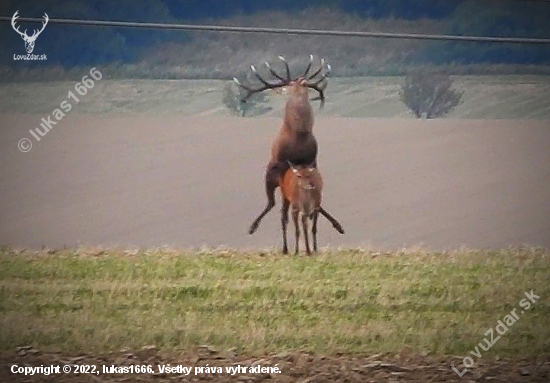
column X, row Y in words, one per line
column 295, row 142
column 301, row 191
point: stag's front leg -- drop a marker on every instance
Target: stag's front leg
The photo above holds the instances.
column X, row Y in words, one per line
column 284, row 222
column 295, row 214
column 306, row 232
column 332, row 220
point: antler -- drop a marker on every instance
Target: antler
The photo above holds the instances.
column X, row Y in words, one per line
column 266, row 85
column 15, row 17
column 308, row 66
column 317, row 84
column 44, row 23
column 320, row 84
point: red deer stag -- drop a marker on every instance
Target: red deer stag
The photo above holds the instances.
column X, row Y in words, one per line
column 301, row 190
column 295, row 142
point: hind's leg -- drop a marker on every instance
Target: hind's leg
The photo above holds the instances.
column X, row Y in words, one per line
column 295, row 214
column 284, row 222
column 314, row 230
column 306, row 233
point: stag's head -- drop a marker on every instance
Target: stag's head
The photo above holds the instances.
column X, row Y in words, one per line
column 300, row 85
column 29, row 40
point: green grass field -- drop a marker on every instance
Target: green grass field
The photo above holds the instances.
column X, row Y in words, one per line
column 345, row 301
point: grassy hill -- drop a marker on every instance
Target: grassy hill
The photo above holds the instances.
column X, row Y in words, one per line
column 485, row 97
column 353, row 301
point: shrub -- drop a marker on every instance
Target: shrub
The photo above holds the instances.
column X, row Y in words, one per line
column 429, row 94
column 254, row 106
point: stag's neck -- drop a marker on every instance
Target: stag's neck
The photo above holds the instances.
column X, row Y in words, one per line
column 299, row 114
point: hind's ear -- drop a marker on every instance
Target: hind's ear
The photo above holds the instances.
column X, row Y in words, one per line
column 292, row 166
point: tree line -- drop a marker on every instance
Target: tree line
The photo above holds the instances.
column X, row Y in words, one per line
column 73, row 46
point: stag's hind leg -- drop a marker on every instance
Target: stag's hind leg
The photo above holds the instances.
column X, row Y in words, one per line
column 284, row 222
column 332, row 220
column 272, row 177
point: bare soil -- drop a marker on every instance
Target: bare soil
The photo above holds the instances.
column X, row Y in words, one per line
column 191, row 181
column 293, row 366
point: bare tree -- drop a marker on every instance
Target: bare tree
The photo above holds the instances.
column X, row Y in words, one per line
column 429, row 94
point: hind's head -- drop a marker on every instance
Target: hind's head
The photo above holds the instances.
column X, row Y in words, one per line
column 307, row 176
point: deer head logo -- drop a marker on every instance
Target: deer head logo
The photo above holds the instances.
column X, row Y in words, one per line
column 29, row 40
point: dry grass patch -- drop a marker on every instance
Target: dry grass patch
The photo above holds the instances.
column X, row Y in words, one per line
column 344, row 301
